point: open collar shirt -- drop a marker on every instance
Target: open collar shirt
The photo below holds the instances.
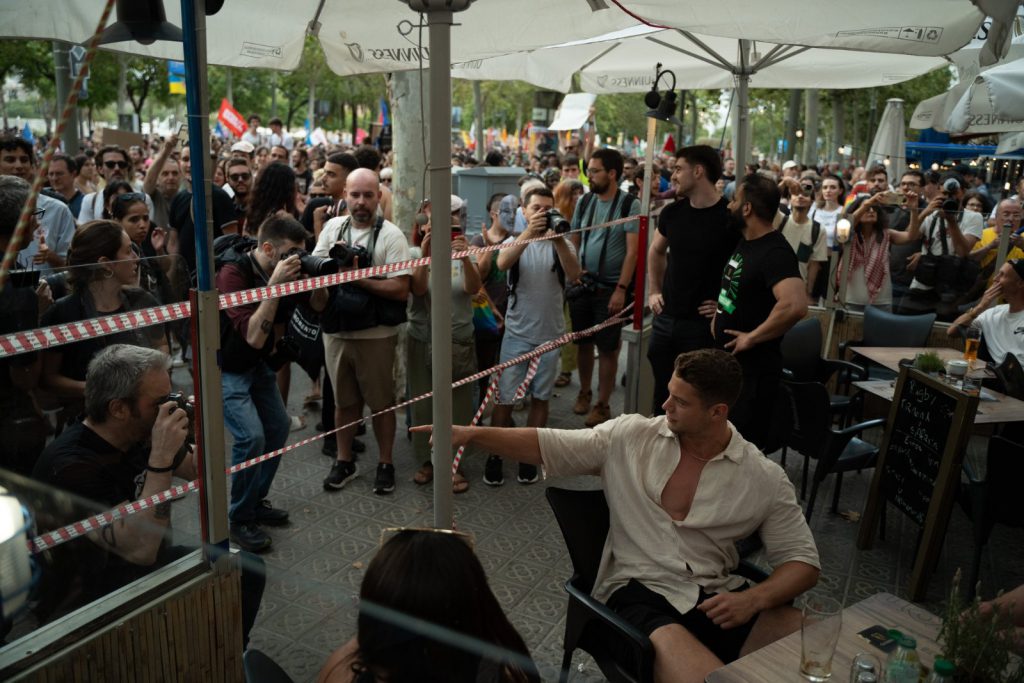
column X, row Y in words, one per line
column 740, row 491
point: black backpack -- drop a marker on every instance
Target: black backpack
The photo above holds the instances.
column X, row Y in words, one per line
column 232, row 249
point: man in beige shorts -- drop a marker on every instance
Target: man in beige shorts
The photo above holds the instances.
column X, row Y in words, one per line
column 360, row 340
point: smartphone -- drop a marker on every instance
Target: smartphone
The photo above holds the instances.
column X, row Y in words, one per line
column 892, row 198
column 456, row 232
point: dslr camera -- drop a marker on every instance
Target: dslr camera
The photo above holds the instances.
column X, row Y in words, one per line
column 313, row 265
column 587, row 284
column 285, row 351
column 557, row 222
column 345, row 255
column 951, row 187
column 181, row 402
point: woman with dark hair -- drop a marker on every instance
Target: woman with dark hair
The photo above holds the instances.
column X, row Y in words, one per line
column 103, row 272
column 113, row 189
column 274, row 191
column 976, row 201
column 87, row 180
column 430, row 576
column 131, row 211
column 868, row 279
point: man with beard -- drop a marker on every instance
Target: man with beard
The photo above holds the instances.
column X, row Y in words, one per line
column 690, row 248
column 608, row 260
column 113, row 163
column 240, row 181
column 762, row 296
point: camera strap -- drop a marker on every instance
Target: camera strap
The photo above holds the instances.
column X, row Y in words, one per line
column 347, row 236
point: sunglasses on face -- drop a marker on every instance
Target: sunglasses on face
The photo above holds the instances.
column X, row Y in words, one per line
column 130, row 197
column 239, row 177
column 116, row 164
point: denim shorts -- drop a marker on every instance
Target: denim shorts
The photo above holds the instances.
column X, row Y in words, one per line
column 543, row 382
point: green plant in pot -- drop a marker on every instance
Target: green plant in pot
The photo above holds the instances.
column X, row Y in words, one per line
column 929, row 362
column 979, row 641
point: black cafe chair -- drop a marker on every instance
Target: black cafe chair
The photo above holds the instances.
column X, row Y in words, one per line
column 260, row 668
column 814, row 436
column 622, row 652
column 882, row 328
column 993, row 499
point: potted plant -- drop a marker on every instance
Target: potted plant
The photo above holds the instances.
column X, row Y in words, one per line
column 929, row 362
column 979, row 643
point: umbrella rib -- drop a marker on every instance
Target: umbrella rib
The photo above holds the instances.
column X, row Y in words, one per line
column 722, row 61
column 790, row 52
column 718, row 64
column 602, row 54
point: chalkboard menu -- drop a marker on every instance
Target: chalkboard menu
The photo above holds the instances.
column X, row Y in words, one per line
column 916, row 443
column 919, row 463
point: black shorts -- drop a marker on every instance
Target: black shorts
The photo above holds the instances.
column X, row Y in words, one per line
column 590, row 310
column 649, row 611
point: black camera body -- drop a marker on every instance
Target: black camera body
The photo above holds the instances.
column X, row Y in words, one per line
column 558, row 222
column 285, row 351
column 181, row 402
column 587, row 284
column 313, row 265
column 345, row 255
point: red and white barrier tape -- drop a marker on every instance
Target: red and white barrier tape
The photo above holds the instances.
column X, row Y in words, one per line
column 38, row 339
column 64, row 534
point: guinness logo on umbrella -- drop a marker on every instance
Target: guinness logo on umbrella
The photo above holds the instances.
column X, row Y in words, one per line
column 356, row 50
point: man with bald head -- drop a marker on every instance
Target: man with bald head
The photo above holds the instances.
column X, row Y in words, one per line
column 1007, row 217
column 361, row 323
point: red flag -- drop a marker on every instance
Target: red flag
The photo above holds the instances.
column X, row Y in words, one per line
column 670, row 144
column 231, row 119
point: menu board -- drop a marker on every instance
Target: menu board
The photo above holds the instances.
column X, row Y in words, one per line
column 917, row 440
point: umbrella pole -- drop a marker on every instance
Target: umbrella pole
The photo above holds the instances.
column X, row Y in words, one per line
column 213, row 501
column 440, row 23
column 742, row 152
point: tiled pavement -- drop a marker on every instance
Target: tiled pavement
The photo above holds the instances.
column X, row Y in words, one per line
column 317, row 562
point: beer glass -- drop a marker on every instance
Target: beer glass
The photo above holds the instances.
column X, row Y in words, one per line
column 819, row 633
column 972, row 337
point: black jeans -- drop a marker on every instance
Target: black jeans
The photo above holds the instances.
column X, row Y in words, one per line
column 669, row 338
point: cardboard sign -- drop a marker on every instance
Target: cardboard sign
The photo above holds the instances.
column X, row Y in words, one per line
column 122, row 138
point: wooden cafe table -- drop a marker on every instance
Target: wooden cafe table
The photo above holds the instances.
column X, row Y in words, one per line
column 780, row 661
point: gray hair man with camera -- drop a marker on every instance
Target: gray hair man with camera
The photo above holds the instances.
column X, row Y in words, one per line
column 128, row 447
column 537, row 273
column 254, row 411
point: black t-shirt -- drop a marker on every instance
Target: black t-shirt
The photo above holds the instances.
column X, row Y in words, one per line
column 78, row 306
column 746, row 297
column 81, row 462
column 700, row 243
column 180, row 215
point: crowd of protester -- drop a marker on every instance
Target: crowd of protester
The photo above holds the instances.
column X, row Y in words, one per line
column 734, row 261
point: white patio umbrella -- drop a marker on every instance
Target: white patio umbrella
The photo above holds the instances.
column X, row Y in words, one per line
column 995, row 98
column 889, row 145
column 624, row 62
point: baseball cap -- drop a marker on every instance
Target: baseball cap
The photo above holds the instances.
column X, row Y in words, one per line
column 243, row 147
column 457, row 203
column 788, row 165
column 507, row 211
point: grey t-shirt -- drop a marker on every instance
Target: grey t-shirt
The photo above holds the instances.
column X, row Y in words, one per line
column 591, row 242
column 534, row 314
column 462, row 307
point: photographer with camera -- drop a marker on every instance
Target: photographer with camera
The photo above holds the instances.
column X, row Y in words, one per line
column 608, row 260
column 360, row 325
column 254, row 411
column 537, row 273
column 943, row 271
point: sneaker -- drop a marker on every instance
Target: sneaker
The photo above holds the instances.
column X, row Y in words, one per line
column 268, row 515
column 527, row 474
column 249, row 537
column 601, row 412
column 582, row 405
column 384, row 482
column 342, row 472
column 493, row 472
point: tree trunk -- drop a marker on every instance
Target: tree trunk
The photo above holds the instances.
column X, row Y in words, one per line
column 838, row 126
column 410, row 135
column 355, row 121
column 3, row 108
column 792, row 123
column 811, row 129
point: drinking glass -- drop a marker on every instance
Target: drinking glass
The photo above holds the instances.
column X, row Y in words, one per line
column 819, row 633
column 972, row 340
column 864, row 663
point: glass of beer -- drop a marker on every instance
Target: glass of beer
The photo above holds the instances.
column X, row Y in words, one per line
column 972, row 337
column 819, row 633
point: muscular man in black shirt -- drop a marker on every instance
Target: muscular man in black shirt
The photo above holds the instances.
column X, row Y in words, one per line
column 762, row 296
column 693, row 243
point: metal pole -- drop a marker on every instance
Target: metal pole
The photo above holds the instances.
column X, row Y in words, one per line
column 440, row 23
column 742, row 151
column 62, row 75
column 205, row 306
column 811, row 129
column 478, row 115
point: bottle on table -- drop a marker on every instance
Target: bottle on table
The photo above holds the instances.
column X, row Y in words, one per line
column 942, row 671
column 904, row 664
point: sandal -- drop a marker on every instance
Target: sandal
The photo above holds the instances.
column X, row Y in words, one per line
column 459, row 483
column 311, row 400
column 424, row 475
column 563, row 380
column 297, row 422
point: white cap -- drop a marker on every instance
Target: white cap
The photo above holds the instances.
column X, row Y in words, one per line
column 457, row 203
column 788, row 165
column 243, row 147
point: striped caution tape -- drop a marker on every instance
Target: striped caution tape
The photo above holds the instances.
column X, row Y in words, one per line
column 28, row 341
column 51, row 539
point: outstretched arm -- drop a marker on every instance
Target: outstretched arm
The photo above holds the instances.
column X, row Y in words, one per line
column 520, row 444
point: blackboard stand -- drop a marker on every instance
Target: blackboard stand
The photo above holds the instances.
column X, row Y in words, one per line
column 919, row 464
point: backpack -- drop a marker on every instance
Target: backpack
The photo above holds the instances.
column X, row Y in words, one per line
column 232, row 249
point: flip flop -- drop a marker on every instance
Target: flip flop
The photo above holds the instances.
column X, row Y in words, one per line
column 311, row 399
column 459, row 483
column 297, row 422
column 424, row 475
column 564, row 379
